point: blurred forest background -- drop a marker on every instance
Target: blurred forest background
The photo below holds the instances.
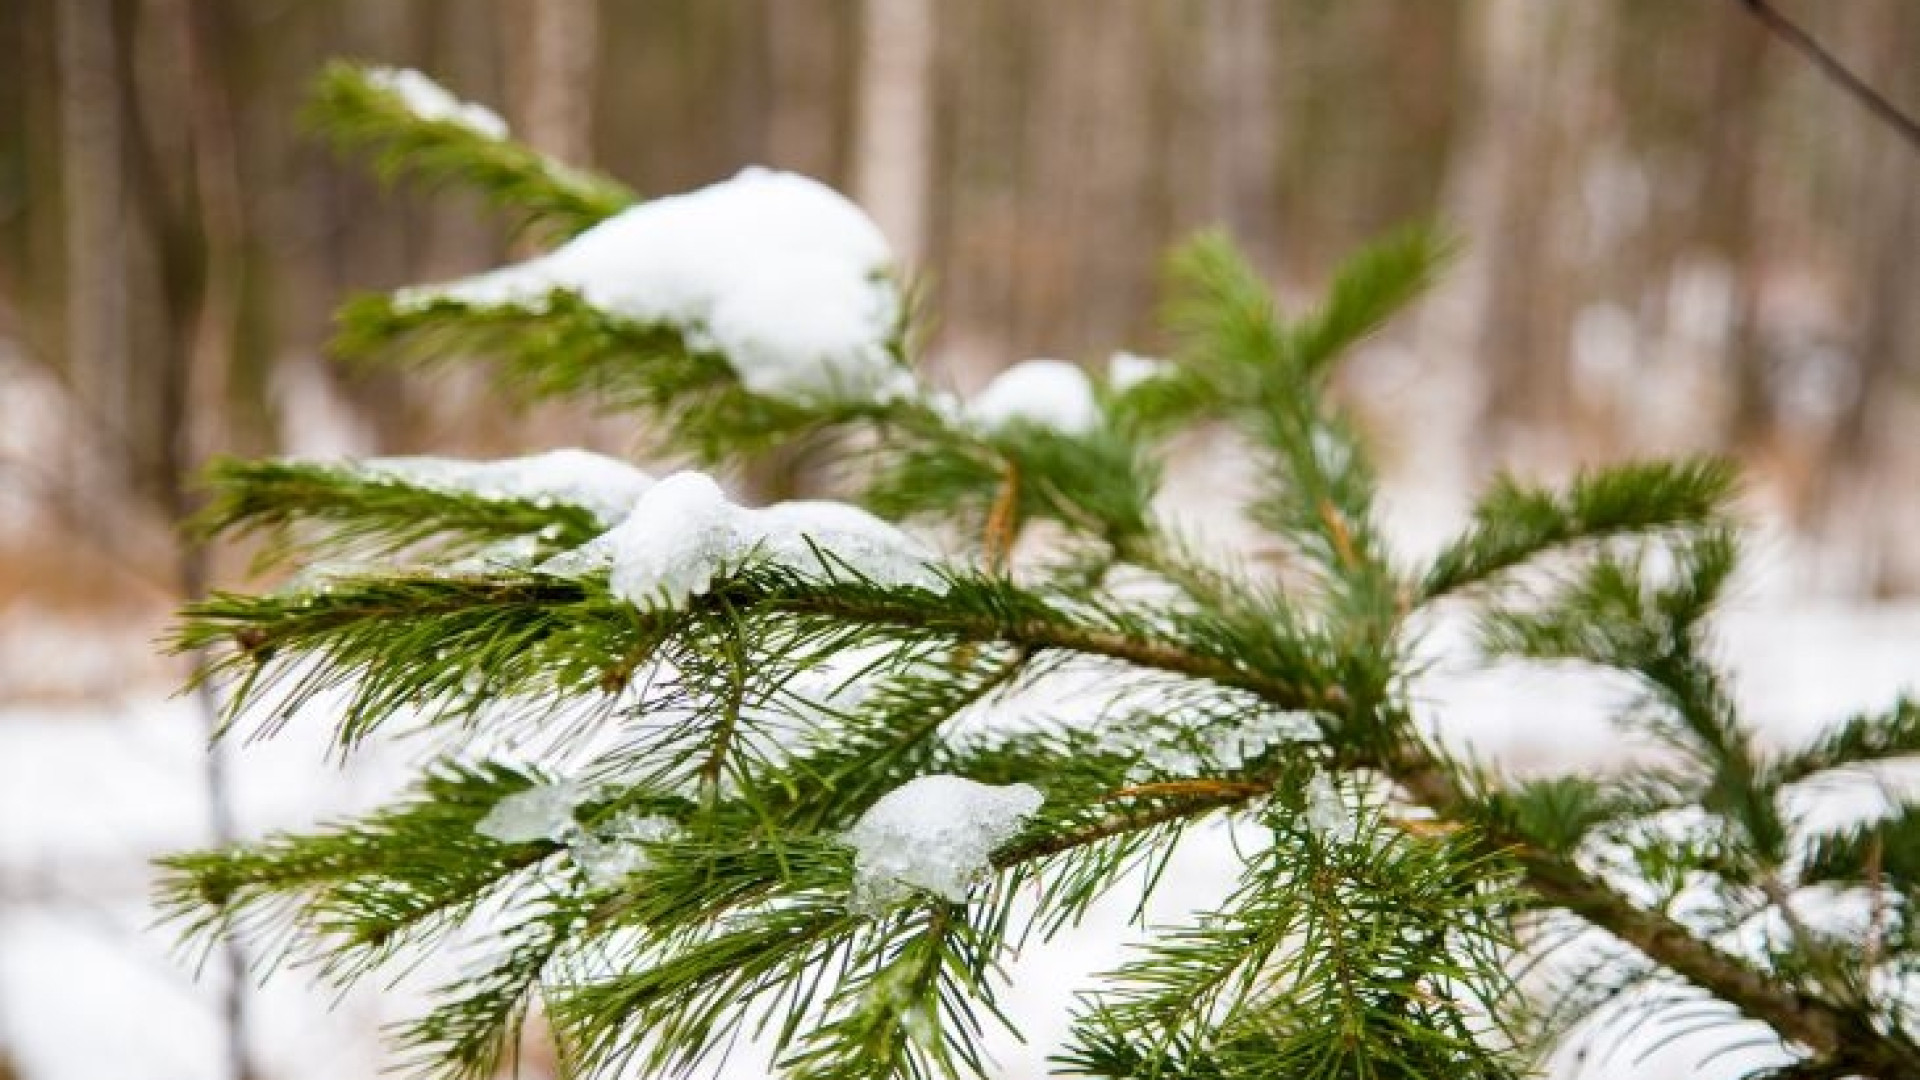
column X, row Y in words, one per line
column 1678, row 236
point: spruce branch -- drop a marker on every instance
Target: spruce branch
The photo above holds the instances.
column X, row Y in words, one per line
column 1373, row 285
column 1514, row 524
column 1828, row 1031
column 472, row 641
column 359, row 113
column 1864, row 739
column 566, row 347
column 1883, row 854
column 535, row 635
column 1365, row 937
column 372, row 517
column 1830, row 67
column 365, row 888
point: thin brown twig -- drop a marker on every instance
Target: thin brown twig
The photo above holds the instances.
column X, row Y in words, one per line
column 1003, row 520
column 1836, row 72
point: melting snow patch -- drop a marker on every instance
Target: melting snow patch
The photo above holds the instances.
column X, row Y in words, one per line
column 1050, row 394
column 604, row 486
column 779, row 274
column 935, row 833
column 428, row 100
column 684, row 533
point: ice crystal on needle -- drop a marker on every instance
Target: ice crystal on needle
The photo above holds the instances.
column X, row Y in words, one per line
column 936, row 833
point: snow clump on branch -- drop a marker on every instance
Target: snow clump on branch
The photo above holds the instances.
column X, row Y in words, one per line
column 1051, row 394
column 606, row 855
column 684, row 533
column 934, row 832
column 1127, row 370
column 428, row 100
column 603, row 486
column 780, row 275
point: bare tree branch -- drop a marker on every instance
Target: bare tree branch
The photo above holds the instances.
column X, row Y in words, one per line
column 1836, row 72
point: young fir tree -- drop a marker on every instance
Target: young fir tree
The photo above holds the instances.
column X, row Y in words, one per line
column 709, row 769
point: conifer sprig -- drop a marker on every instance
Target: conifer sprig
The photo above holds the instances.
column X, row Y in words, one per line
column 1398, row 907
column 358, row 113
column 370, row 518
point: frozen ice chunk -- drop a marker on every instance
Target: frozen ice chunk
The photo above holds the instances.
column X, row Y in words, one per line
column 542, row 812
column 779, row 274
column 604, row 486
column 684, row 533
column 1045, row 393
column 936, row 833
column 1327, row 814
column 428, row 100
column 1127, row 370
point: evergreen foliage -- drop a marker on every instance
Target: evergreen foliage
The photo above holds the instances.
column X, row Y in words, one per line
column 1397, row 912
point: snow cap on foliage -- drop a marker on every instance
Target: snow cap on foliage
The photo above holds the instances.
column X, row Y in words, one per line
column 1175, row 746
column 1050, row 394
column 541, row 812
column 779, row 274
column 428, row 100
column 685, row 532
column 604, row 486
column 1327, row 814
column 1127, row 370
column 936, row 833
column 611, row 853
column 617, row 850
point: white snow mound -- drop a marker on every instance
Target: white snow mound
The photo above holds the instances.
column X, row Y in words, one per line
column 780, row 274
column 428, row 100
column 1051, row 394
column 604, row 486
column 936, row 833
column 684, row 533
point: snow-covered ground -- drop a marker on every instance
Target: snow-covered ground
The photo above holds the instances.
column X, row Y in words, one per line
column 89, row 792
